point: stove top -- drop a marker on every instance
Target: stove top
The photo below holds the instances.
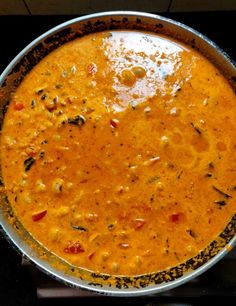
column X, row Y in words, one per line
column 20, row 282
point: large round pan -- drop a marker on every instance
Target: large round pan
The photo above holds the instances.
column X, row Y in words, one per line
column 22, row 240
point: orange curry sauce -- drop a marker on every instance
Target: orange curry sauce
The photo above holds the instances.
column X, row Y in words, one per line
column 118, row 152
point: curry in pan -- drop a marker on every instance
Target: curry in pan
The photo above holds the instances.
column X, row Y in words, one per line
column 118, row 152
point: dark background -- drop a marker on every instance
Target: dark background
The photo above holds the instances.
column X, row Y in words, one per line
column 16, row 286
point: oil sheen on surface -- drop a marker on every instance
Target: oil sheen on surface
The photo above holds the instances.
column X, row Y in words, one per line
column 118, row 152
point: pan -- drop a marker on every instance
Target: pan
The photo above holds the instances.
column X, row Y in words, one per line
column 18, row 236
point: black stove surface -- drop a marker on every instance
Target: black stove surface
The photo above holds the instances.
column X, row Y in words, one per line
column 22, row 284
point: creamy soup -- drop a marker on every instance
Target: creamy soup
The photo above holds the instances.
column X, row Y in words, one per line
column 118, row 152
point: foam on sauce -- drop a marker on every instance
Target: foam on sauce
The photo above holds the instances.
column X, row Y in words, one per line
column 118, row 152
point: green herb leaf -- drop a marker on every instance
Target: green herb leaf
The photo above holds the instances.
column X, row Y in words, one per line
column 77, row 120
column 221, row 192
column 220, row 203
column 28, row 163
column 79, row 228
column 196, row 128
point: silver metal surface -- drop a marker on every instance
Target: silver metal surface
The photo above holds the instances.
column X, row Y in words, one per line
column 179, row 31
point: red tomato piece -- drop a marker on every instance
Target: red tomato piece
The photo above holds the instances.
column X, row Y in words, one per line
column 114, row 122
column 31, row 154
column 90, row 256
column 74, row 248
column 176, row 217
column 39, row 216
column 18, row 106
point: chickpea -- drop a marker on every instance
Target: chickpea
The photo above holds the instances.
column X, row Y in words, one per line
column 24, row 175
column 79, row 174
column 10, row 141
column 40, row 186
column 105, row 255
column 115, row 266
column 165, row 251
column 97, row 191
column 190, row 248
column 50, row 104
column 56, row 137
column 63, row 211
column 147, row 110
column 173, row 111
column 120, row 189
column 69, row 185
column 127, row 77
column 26, row 198
column 164, row 141
column 54, row 234
column 48, row 123
column 137, row 261
column 139, row 72
column 57, row 185
column 160, row 186
column 78, row 197
column 23, row 183
column 132, row 266
column 78, row 217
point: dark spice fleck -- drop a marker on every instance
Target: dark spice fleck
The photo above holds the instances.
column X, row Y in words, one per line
column 192, row 233
column 44, row 141
column 211, row 165
column 152, row 198
column 5, row 199
column 110, row 226
column 43, row 97
column 208, row 175
column 176, row 255
column 41, row 154
column 39, row 91
column 170, row 165
column 58, row 86
column 28, row 163
column 179, row 175
column 1, row 181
